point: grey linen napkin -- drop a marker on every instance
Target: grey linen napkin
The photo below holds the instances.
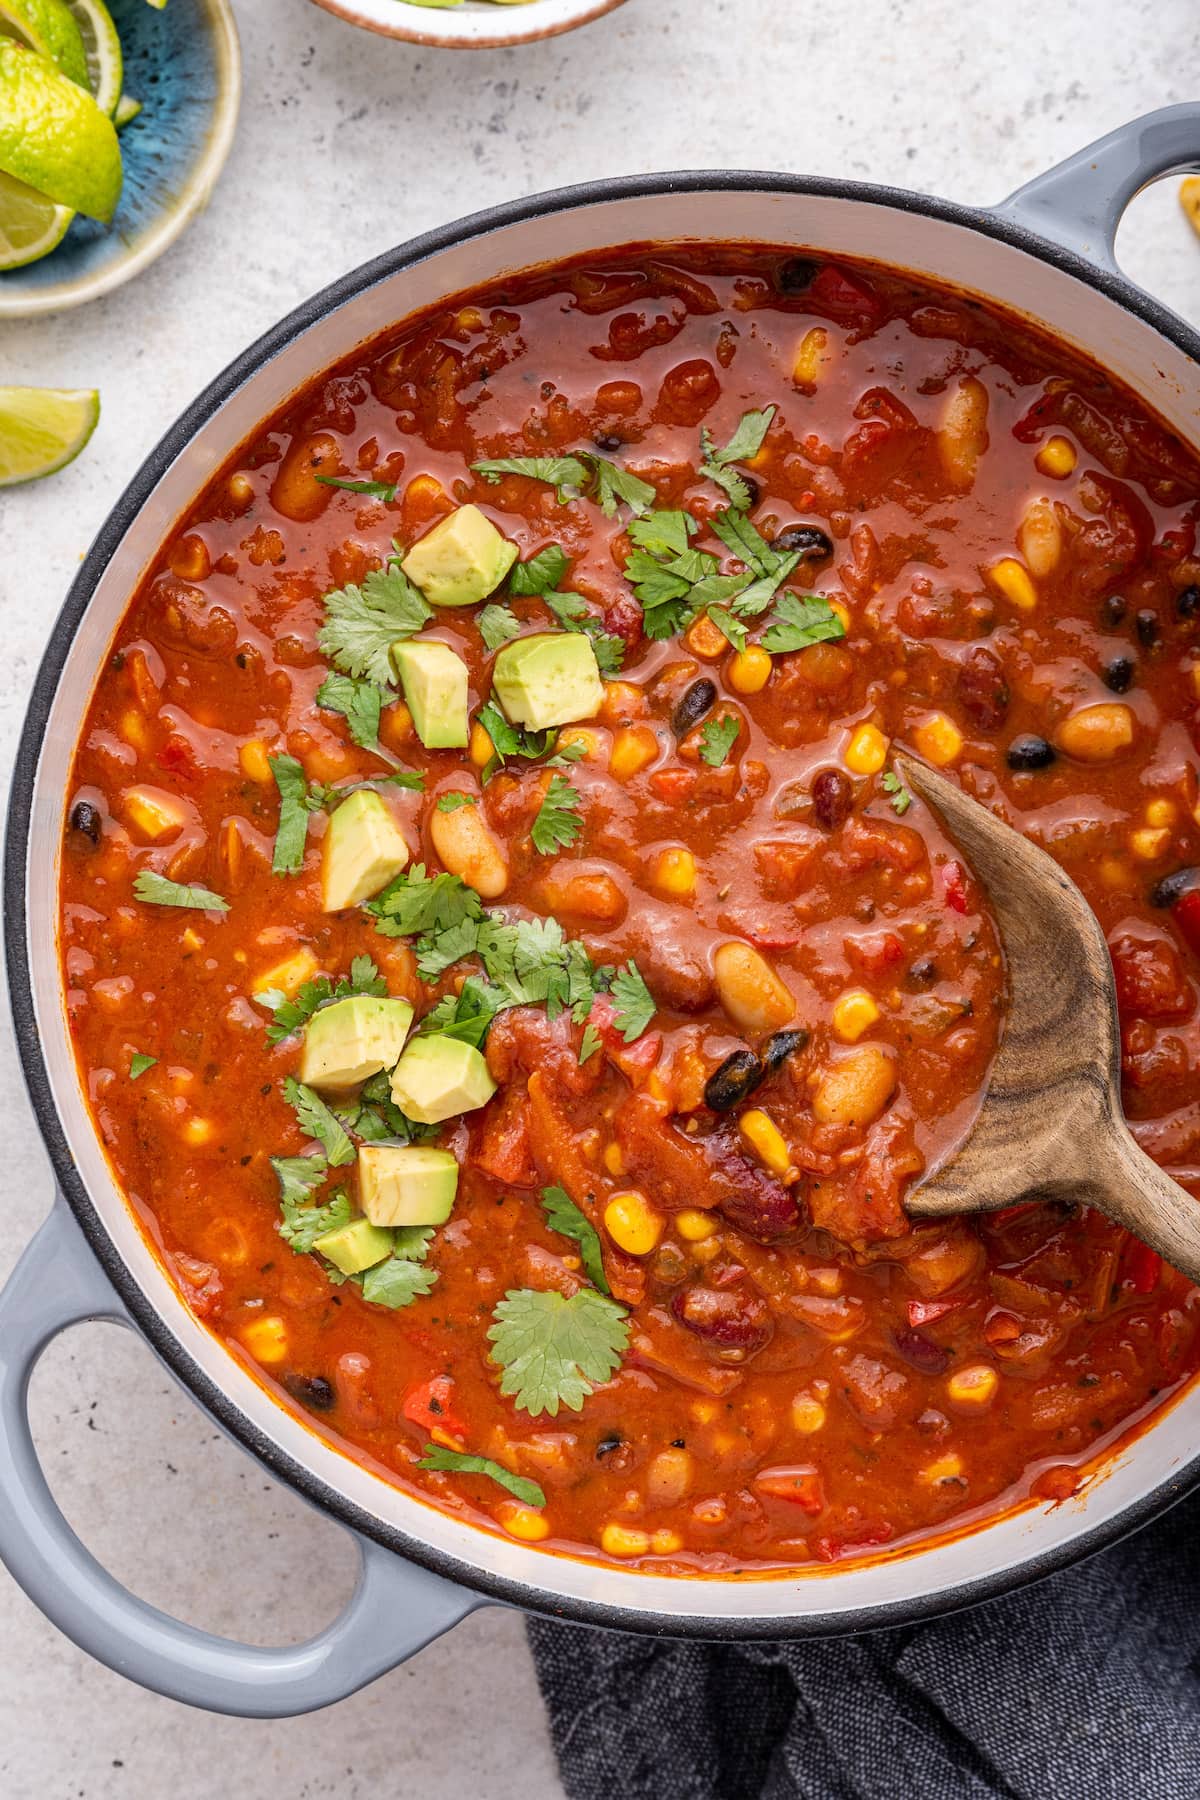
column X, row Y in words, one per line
column 1082, row 1687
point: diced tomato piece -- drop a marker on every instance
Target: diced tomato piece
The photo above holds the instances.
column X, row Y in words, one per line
column 673, row 785
column 802, row 1486
column 1149, row 974
column 927, row 1312
column 1141, row 1267
column 954, row 886
column 1057, row 1483
column 1186, row 914
column 635, row 1060
column 178, row 756
column 430, row 1405
column 844, row 296
column 874, row 957
column 831, row 1547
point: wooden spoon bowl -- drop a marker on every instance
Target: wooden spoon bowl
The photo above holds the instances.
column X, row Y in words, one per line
column 1051, row 1124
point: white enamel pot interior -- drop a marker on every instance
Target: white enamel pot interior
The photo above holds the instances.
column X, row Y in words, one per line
column 1107, row 320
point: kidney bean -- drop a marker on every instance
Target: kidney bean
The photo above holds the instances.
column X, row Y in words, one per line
column 795, row 275
column 920, row 1351
column 832, row 797
column 982, row 689
column 729, row 1318
column 691, row 707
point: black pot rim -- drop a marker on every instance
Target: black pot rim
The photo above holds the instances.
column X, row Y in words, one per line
column 526, row 1596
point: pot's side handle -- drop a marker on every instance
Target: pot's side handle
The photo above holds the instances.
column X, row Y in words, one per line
column 396, row 1608
column 1078, row 203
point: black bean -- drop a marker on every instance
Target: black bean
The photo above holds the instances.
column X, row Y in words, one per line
column 609, row 441
column 312, row 1391
column 1113, row 610
column 922, row 973
column 1031, row 752
column 733, row 1082
column 692, row 705
column 809, row 540
column 1117, row 675
column 753, row 492
column 1148, row 628
column 1187, row 604
column 85, row 818
column 921, row 1351
column 796, row 274
column 608, row 1444
column 1174, row 886
column 779, row 1046
column 832, row 797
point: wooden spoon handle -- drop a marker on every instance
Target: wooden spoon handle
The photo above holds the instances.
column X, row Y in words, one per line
column 1130, row 1187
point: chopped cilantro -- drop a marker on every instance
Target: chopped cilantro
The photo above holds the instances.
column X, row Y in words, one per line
column 744, row 445
column 292, row 832
column 542, row 573
column 570, row 475
column 497, row 625
column 558, row 823
column 552, row 1347
column 572, row 613
column 139, row 1062
column 465, row 1015
column 362, row 623
column 450, row 802
column 374, row 490
column 891, row 784
column 634, row 1002
column 359, row 702
column 729, row 626
column 457, row 1462
column 798, row 622
column 563, row 1215
column 290, row 1015
column 416, row 903
column 397, row 1282
column 589, row 1043
column 156, row 890
column 315, row 1118
column 717, row 739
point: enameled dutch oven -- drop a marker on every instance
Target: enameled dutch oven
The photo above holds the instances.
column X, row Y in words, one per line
column 1046, row 253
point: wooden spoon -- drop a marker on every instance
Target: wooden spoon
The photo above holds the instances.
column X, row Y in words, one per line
column 1051, row 1123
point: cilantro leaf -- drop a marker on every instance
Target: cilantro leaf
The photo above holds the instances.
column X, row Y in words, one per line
column 589, row 1043
column 616, row 486
column 497, row 625
column 891, row 784
column 291, row 835
column 375, row 490
column 139, row 1062
column 664, row 533
column 743, row 446
column 552, row 1348
column 566, row 473
column 454, row 798
column 362, row 623
column 634, row 1002
column 359, row 702
column 563, row 1215
column 299, row 1177
column 797, row 623
column 572, row 613
column 729, row 626
column 315, row 1118
column 717, row 739
column 156, row 890
column 465, row 1015
column 416, row 902
column 541, row 573
column 456, row 1462
column 290, row 1015
column 397, row 1282
column 558, row 823
column 510, row 740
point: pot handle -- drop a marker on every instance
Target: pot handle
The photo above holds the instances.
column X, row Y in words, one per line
column 1079, row 203
column 395, row 1610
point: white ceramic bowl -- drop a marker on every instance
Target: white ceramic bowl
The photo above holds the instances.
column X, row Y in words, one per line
column 477, row 25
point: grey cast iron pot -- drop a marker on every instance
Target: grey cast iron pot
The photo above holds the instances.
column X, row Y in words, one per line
column 1047, row 253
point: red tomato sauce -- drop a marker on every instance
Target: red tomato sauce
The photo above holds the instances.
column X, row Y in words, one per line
column 1007, row 539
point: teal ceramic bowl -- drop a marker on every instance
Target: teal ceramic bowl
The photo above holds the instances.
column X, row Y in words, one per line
column 184, row 65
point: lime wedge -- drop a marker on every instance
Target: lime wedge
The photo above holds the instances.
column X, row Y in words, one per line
column 47, row 27
column 43, row 429
column 30, row 225
column 54, row 137
column 102, row 47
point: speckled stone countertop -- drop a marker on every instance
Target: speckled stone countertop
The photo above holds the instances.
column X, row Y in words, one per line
column 348, row 144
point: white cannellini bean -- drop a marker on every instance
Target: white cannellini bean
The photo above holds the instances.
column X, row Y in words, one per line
column 962, row 433
column 467, row 846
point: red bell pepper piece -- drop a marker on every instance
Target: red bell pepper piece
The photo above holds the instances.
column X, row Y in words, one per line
column 1186, row 912
column 1143, row 1267
column 954, row 886
column 802, row 1486
column 430, row 1405
column 928, row 1312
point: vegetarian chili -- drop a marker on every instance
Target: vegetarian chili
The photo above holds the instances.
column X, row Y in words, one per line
column 513, row 987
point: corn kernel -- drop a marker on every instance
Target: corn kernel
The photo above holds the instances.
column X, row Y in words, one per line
column 972, row 1389
column 1148, row 845
column 290, row 975
column 808, row 1415
column 446, row 1439
column 266, row 1339
column 1196, row 679
column 191, row 940
column 1161, row 812
column 424, row 488
column 579, row 737
column 867, row 751
column 810, row 354
column 704, row 1411
column 614, row 1161
column 1115, row 873
column 766, row 1140
column 707, row 1251
column 253, row 757
column 694, row 1226
column 632, row 1223
column 132, row 727
column 623, row 1540
column 1057, row 458
column 674, row 873
column 841, row 611
column 198, row 1131
column 524, row 1523
column 706, row 640
column 826, row 1282
column 666, row 1543
column 750, row 670
column 240, row 489
column 481, row 749
column 938, row 739
column 853, row 1013
column 1012, row 580
column 634, row 746
column 943, row 1469
column 156, row 814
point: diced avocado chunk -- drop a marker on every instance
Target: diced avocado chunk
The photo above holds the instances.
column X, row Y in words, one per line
column 406, row 1184
column 434, row 679
column 461, row 561
column 438, row 1077
column 352, row 1040
column 363, row 850
column 355, row 1247
column 549, row 679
